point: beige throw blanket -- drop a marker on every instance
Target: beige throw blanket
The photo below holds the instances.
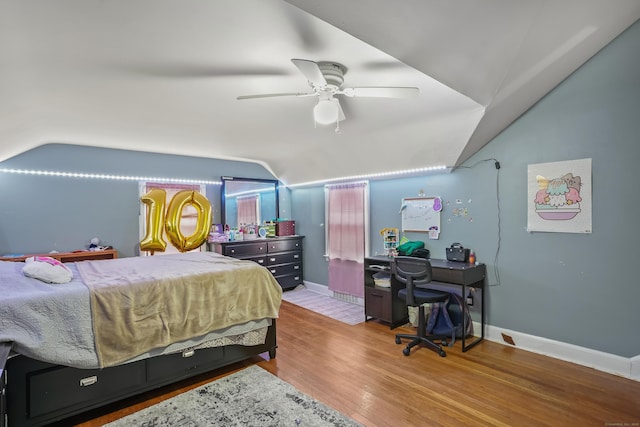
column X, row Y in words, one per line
column 142, row 303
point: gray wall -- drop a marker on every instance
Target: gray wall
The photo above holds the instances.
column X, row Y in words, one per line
column 41, row 213
column 581, row 289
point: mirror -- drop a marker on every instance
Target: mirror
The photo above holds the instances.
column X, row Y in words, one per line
column 248, row 201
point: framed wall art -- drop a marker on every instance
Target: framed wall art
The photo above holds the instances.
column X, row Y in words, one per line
column 559, row 197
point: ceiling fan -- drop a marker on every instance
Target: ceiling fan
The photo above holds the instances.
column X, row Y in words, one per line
column 326, row 79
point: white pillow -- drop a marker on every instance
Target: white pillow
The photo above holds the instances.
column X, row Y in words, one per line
column 47, row 269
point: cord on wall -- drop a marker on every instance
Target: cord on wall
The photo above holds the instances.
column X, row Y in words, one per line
column 496, row 164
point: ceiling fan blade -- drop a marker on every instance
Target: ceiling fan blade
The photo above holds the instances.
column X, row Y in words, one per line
column 380, row 92
column 311, row 71
column 275, row 95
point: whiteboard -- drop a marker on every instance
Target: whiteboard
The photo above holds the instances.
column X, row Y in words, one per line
column 421, row 214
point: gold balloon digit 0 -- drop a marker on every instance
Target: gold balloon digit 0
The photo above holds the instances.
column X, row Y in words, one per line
column 155, row 200
column 174, row 214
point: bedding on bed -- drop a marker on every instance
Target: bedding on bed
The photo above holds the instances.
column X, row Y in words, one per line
column 143, row 303
column 53, row 322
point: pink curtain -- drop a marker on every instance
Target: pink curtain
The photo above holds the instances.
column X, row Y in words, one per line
column 247, row 210
column 346, row 222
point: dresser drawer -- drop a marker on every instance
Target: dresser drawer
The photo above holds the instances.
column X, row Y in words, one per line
column 284, row 257
column 185, row 363
column 282, row 269
column 245, row 249
column 262, row 260
column 290, row 281
column 285, row 245
column 58, row 388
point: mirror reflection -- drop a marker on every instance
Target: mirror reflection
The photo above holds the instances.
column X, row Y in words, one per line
column 248, row 201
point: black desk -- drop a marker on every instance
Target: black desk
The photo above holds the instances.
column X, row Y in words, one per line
column 383, row 303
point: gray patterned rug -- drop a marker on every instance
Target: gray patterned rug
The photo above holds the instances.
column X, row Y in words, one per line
column 251, row 397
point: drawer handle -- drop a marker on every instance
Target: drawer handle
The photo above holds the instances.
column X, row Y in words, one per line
column 233, row 251
column 273, row 271
column 188, row 353
column 260, row 261
column 296, row 267
column 85, row 382
column 296, row 256
column 272, row 259
column 296, row 278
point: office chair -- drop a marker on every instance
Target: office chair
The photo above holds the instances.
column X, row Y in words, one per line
column 415, row 273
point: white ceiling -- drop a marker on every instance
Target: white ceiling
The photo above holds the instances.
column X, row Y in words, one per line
column 163, row 76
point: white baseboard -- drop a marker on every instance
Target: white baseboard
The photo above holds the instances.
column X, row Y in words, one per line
column 635, row 368
column 317, row 288
column 606, row 362
column 324, row 290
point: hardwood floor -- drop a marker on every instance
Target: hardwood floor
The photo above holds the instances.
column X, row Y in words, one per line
column 360, row 371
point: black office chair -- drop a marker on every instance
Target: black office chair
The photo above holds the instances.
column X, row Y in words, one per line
column 415, row 273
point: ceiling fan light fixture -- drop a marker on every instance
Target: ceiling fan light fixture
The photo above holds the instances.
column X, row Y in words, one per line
column 326, row 111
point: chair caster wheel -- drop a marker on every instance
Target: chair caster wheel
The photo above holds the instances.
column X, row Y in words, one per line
column 406, row 351
column 398, row 340
column 442, row 353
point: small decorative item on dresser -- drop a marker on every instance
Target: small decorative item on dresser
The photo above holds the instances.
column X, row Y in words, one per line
column 285, row 228
column 271, row 228
column 472, row 257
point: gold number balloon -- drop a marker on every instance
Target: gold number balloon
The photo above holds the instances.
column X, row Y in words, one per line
column 174, row 214
column 155, row 200
column 157, row 221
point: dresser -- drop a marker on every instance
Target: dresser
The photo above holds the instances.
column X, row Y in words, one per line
column 281, row 255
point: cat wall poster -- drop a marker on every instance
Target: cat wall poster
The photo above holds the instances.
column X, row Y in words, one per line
column 559, row 197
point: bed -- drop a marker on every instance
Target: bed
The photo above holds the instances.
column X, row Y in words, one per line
column 127, row 325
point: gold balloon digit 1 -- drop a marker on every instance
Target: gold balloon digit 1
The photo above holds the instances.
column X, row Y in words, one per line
column 174, row 214
column 156, row 221
column 155, row 200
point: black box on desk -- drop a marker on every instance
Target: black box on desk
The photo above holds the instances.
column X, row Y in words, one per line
column 457, row 253
column 285, row 228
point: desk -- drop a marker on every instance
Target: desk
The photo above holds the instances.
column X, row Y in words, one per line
column 384, row 304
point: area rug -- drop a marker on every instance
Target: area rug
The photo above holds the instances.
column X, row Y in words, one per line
column 251, row 397
column 331, row 307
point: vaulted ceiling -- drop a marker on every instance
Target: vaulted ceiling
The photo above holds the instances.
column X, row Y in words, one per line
column 164, row 76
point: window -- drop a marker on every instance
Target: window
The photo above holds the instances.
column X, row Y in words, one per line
column 347, row 233
column 248, row 210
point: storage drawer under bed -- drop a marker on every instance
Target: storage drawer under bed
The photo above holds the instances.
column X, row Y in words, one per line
column 57, row 388
column 184, row 364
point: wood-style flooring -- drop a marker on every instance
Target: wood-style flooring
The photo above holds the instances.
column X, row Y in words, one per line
column 360, row 371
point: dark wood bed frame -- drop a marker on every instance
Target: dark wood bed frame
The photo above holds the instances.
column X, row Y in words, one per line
column 36, row 393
